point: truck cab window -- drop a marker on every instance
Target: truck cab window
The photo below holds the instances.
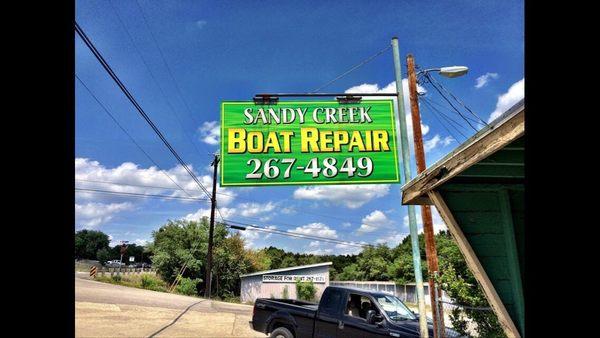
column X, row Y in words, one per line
column 358, row 306
column 330, row 301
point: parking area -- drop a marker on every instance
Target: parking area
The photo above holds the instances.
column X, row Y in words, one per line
column 106, row 310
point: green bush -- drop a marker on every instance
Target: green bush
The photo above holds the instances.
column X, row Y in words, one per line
column 150, row 282
column 188, row 286
column 306, row 290
column 116, row 278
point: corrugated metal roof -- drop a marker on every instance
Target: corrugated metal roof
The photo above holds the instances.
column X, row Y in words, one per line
column 286, row 269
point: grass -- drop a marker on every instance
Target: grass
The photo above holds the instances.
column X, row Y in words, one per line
column 141, row 281
column 154, row 283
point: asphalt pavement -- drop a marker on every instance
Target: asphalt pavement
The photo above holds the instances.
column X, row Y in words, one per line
column 108, row 310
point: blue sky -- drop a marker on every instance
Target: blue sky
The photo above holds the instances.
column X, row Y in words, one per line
column 180, row 59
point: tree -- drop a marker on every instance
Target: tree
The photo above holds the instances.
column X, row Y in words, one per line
column 462, row 287
column 306, row 290
column 182, row 242
column 88, row 242
column 103, row 255
column 186, row 242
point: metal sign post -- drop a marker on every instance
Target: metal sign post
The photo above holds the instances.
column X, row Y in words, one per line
column 412, row 219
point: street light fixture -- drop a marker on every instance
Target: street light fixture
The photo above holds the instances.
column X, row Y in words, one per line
column 452, row 71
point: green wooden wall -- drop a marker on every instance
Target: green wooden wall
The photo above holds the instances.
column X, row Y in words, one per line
column 487, row 201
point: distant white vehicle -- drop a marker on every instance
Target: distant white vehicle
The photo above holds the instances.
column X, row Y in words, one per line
column 114, row 264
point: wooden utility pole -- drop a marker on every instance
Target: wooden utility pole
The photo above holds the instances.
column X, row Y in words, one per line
column 430, row 250
column 213, row 206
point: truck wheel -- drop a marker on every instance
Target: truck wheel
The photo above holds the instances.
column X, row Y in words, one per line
column 281, row 332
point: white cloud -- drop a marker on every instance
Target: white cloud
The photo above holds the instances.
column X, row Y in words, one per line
column 438, row 222
column 201, row 23
column 345, row 249
column 253, row 209
column 351, row 196
column 251, row 237
column 140, row 242
column 92, row 215
column 143, row 181
column 505, row 101
column 374, row 221
column 483, row 80
column 225, row 212
column 288, row 210
column 447, row 140
column 393, row 239
column 210, row 132
column 435, row 141
column 315, row 229
column 314, row 244
column 317, row 252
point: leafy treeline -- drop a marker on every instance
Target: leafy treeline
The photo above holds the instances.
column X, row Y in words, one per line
column 95, row 245
column 278, row 258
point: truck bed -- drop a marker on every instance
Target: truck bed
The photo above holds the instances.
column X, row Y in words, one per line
column 304, row 313
column 294, row 302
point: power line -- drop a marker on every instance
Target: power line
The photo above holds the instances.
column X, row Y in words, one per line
column 447, row 100
column 445, row 117
column 135, row 185
column 107, row 67
column 443, row 125
column 445, row 107
column 153, row 77
column 131, row 194
column 128, row 135
column 295, row 234
column 459, row 101
column 247, row 199
column 353, row 68
column 166, row 63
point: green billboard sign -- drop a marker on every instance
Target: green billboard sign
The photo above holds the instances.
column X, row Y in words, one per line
column 308, row 142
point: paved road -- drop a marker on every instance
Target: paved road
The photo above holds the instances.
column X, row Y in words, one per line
column 107, row 310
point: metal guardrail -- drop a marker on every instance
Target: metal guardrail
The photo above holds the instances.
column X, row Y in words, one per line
column 123, row 271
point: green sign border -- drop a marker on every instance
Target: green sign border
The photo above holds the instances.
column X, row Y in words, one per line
column 346, row 182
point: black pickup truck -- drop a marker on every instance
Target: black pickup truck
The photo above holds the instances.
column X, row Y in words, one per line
column 342, row 312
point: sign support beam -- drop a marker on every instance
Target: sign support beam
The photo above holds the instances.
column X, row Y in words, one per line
column 412, row 219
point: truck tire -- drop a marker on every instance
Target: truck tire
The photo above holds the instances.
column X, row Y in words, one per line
column 281, row 332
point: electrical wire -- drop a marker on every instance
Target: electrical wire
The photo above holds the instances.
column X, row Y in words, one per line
column 437, row 114
column 131, row 194
column 353, row 68
column 129, row 135
column 448, row 101
column 459, row 101
column 162, row 56
column 247, row 199
column 124, row 89
column 295, row 234
column 154, row 78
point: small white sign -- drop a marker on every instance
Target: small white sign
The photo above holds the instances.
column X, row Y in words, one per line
column 292, row 278
column 131, row 259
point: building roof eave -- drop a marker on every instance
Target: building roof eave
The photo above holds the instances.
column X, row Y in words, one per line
column 258, row 273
